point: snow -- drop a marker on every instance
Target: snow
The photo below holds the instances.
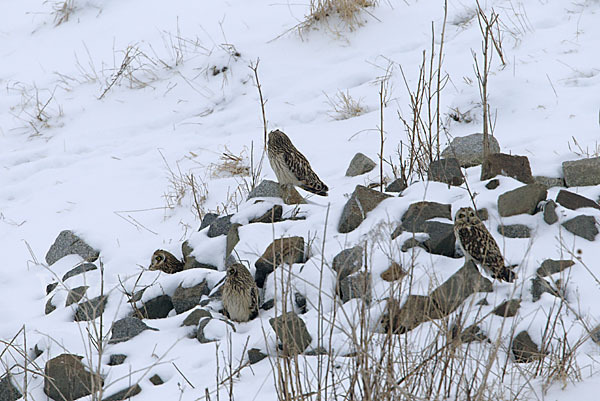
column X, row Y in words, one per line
column 108, row 168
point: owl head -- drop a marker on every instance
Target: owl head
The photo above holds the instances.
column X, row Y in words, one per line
column 466, row 215
column 158, row 259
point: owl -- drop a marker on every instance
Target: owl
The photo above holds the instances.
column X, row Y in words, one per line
column 290, row 166
column 240, row 294
column 479, row 245
column 166, row 262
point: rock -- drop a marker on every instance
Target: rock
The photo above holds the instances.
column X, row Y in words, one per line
column 50, row 287
column 207, row 220
column 516, row 167
column 398, row 320
column 393, row 273
column 288, row 250
column 362, row 201
column 272, row 189
column 156, row 380
column 116, row 359
column 50, row 307
column 470, row 334
column 193, row 318
column 411, row 243
column 127, row 328
column 524, row 349
column 255, row 355
column 67, row 243
column 156, row 308
column 515, row 231
column 483, row 214
column 91, row 309
column 549, row 182
column 190, row 261
column 442, row 240
column 414, row 218
column 233, row 237
column 82, row 268
column 201, row 336
column 291, row 333
column 184, row 299
column 574, row 201
column 581, row 173
column 540, row 286
column 550, row 216
column 125, row 393
column 300, row 301
column 267, row 305
column 8, row 392
column 521, row 200
column 398, row 185
column 76, row 294
column 493, row 184
column 582, row 226
column 360, row 164
column 37, row 351
column 357, row 285
column 220, row 226
column 290, row 195
column 508, row 308
column 317, row 351
column 550, row 267
column 469, row 149
column 272, row 215
column 447, row 171
column 65, row 377
column 348, row 261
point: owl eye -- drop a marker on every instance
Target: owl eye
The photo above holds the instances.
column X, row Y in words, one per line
column 461, row 215
column 158, row 258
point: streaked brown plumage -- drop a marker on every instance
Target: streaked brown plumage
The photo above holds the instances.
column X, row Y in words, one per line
column 290, row 166
column 166, row 262
column 240, row 294
column 479, row 245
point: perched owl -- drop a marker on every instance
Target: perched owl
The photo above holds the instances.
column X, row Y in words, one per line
column 240, row 294
column 479, row 245
column 166, row 262
column 290, row 166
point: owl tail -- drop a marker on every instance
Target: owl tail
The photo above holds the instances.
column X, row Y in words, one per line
column 505, row 275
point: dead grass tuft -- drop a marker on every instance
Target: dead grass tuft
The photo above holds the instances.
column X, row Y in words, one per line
column 344, row 106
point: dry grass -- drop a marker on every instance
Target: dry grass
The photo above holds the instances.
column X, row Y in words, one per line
column 344, row 106
column 62, row 10
column 347, row 11
column 231, row 165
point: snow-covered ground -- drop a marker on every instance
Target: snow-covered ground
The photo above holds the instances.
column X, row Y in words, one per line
column 104, row 155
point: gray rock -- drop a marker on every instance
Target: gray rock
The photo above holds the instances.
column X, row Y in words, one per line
column 357, row 285
column 515, row 231
column 67, row 243
column 127, row 328
column 76, row 294
column 288, row 250
column 493, row 184
column 414, row 218
column 116, row 359
column 272, row 189
column 574, row 201
column 156, row 308
column 473, row 333
column 550, row 216
column 300, row 301
column 50, row 307
column 540, row 286
column 156, row 380
column 508, row 308
column 550, row 267
column 65, row 377
column 201, row 337
column 207, row 220
column 124, row 394
column 393, row 273
column 442, row 240
column 233, row 237
column 524, row 349
column 516, row 167
column 447, row 171
column 411, row 243
column 469, row 149
column 362, row 201
column 582, row 226
column 8, row 392
column 580, row 173
column 549, row 182
column 521, row 200
column 82, row 268
column 194, row 318
column 272, row 215
column 184, row 299
column 291, row 333
column 317, row 351
column 348, row 261
column 268, row 305
column 483, row 214
column 190, row 261
column 50, row 287
column 360, row 164
column 398, row 319
column 398, row 185
column 91, row 309
column 219, row 226
column 255, row 355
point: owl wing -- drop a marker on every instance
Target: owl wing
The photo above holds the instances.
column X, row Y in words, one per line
column 253, row 302
column 300, row 167
column 481, row 246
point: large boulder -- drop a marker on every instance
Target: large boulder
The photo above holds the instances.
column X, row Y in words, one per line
column 413, row 220
column 348, row 261
column 469, row 149
column 8, row 391
column 67, row 379
column 447, row 171
column 516, row 167
column 524, row 349
column 272, row 189
column 580, row 173
column 521, row 200
column 185, row 298
column 288, row 250
column 357, row 285
column 574, row 201
column 360, row 164
column 362, row 201
column 155, row 308
column 582, row 226
column 190, row 261
column 398, row 185
column 291, row 332
column 67, row 243
column 220, row 226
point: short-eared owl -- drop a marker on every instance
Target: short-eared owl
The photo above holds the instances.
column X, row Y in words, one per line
column 290, row 166
column 240, row 294
column 479, row 245
column 166, row 262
